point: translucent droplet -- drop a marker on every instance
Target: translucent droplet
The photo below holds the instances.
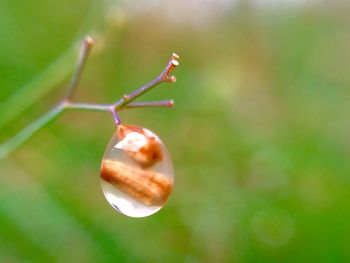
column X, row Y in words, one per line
column 136, row 172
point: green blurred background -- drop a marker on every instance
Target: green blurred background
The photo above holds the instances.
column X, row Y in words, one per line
column 259, row 134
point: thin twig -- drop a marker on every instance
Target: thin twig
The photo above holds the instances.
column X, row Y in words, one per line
column 25, row 134
column 163, row 77
column 66, row 104
column 84, row 52
column 144, row 104
column 115, row 114
column 87, row 106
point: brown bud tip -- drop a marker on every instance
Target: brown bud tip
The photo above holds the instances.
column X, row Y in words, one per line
column 175, row 62
column 89, row 41
column 171, row 79
column 175, row 56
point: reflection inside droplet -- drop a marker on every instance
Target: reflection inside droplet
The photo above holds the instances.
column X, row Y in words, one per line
column 136, row 172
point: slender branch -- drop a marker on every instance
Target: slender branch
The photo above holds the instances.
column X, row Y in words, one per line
column 115, row 114
column 163, row 103
column 66, row 103
column 110, row 107
column 13, row 143
column 38, row 87
column 84, row 52
column 87, row 106
column 163, row 77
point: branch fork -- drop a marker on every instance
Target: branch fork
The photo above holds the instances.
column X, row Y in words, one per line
column 126, row 101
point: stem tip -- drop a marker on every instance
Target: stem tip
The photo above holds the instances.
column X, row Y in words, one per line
column 175, row 62
column 175, row 56
column 89, row 41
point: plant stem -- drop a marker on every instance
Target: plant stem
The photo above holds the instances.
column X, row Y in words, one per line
column 163, row 77
column 87, row 106
column 38, row 87
column 163, row 103
column 10, row 145
column 84, row 52
column 66, row 104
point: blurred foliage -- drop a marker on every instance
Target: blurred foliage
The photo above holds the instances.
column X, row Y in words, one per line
column 259, row 134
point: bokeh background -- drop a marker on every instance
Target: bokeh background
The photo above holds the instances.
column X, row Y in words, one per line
column 259, row 134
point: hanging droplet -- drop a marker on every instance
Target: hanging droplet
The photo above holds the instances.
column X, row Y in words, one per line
column 136, row 172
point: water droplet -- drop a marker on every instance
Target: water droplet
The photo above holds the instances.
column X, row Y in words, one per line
column 136, row 172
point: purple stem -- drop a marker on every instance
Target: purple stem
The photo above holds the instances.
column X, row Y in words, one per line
column 163, row 103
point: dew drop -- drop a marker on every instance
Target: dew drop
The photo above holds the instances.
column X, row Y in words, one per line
column 137, row 174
